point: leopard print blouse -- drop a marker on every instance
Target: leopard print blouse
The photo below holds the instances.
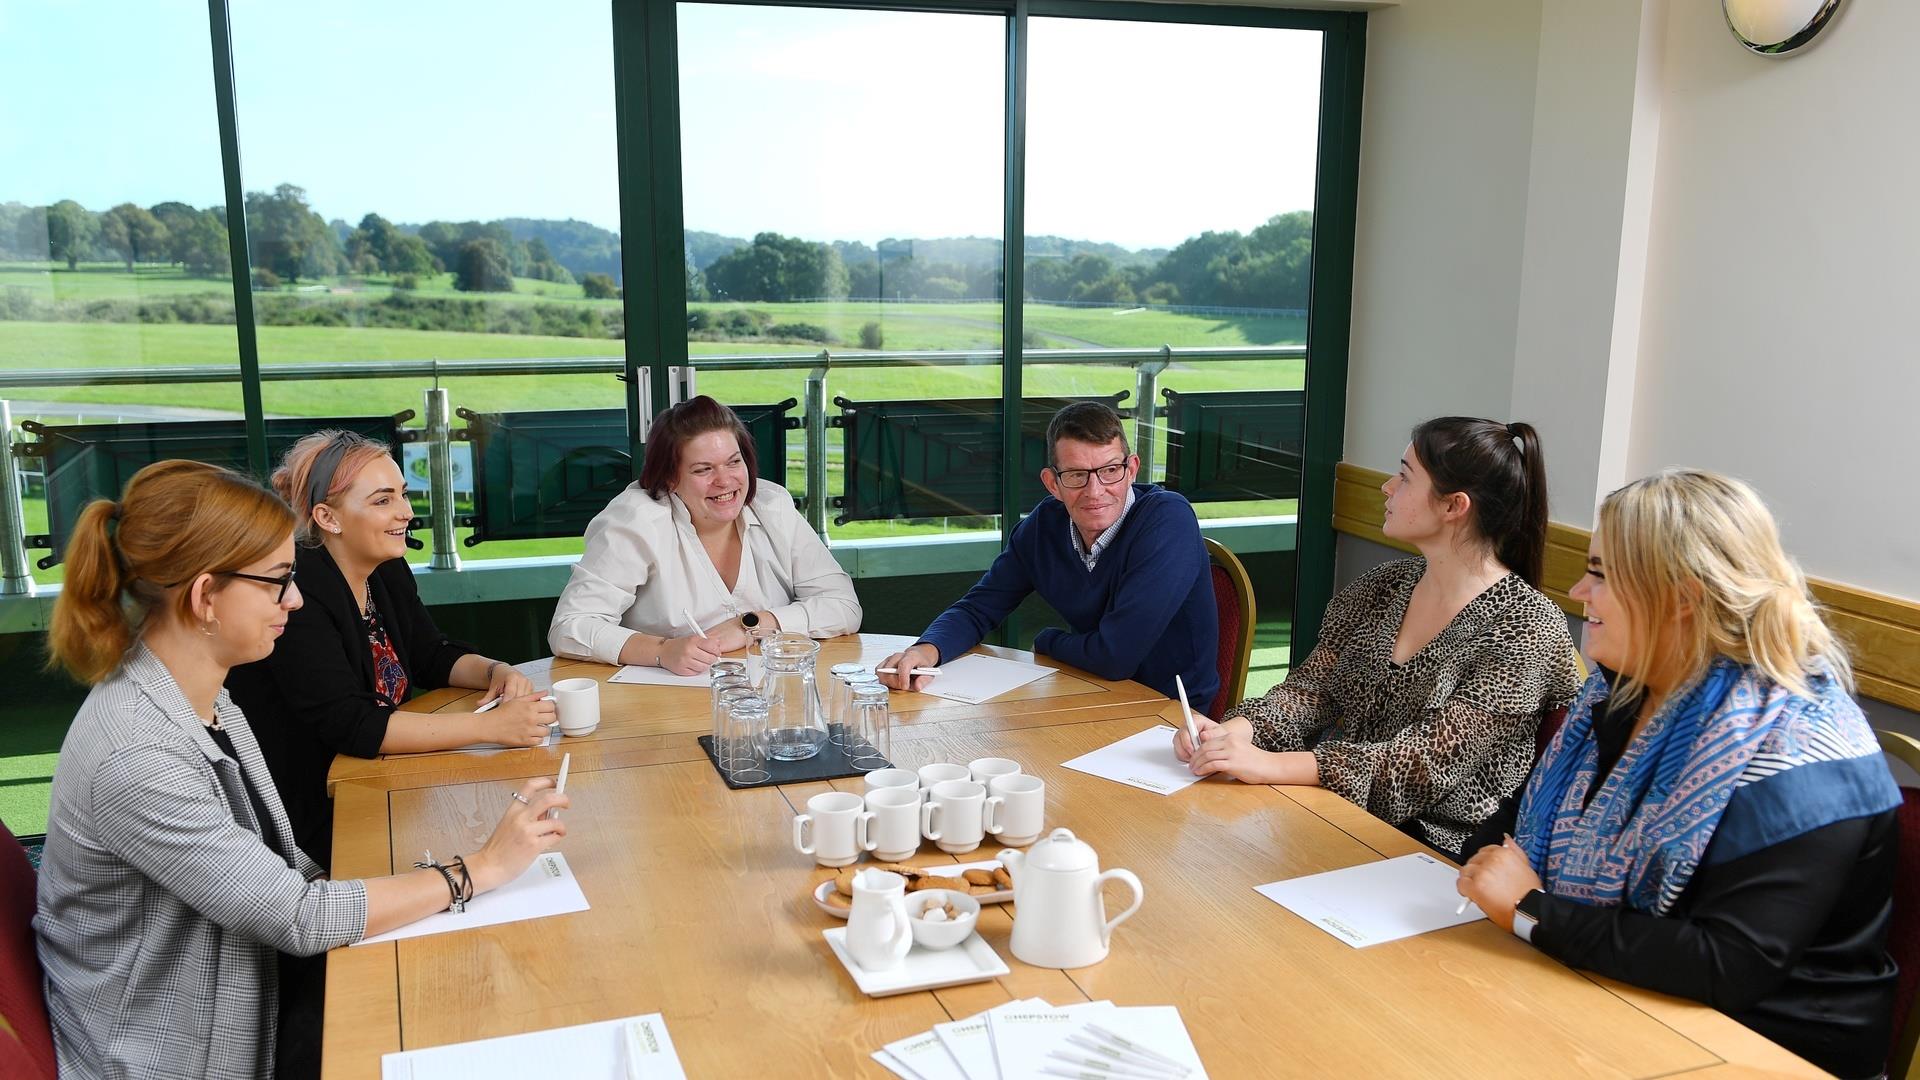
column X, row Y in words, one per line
column 1434, row 744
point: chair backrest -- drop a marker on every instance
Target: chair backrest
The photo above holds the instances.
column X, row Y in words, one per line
column 1233, row 597
column 26, row 1037
column 1550, row 722
column 1903, row 936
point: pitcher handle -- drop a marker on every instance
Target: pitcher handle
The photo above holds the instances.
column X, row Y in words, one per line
column 800, row 823
column 1139, row 894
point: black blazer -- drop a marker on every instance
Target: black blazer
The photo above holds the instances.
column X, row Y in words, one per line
column 314, row 696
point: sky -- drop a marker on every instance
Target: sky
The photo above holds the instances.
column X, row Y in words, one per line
column 846, row 125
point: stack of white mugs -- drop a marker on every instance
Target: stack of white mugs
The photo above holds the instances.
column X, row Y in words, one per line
column 955, row 806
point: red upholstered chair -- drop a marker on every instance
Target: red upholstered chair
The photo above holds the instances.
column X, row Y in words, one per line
column 1903, row 936
column 1233, row 596
column 1551, row 720
column 26, row 1038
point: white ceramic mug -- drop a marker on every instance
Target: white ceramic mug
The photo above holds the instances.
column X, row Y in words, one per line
column 934, row 774
column 984, row 769
column 838, row 823
column 893, row 831
column 1016, row 809
column 578, row 703
column 893, row 778
column 952, row 815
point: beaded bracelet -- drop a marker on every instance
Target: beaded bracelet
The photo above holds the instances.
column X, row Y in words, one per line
column 456, row 902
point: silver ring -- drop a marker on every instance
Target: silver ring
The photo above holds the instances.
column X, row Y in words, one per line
column 521, row 799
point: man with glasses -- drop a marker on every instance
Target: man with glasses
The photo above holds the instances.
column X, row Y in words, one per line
column 1121, row 562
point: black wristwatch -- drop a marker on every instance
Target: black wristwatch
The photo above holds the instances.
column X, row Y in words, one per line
column 750, row 620
column 1526, row 915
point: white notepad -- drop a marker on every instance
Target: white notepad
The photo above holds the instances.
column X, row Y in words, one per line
column 637, row 1048
column 655, row 676
column 923, row 1057
column 538, row 672
column 974, row 679
column 1377, row 901
column 1144, row 760
column 1023, row 1037
column 547, row 887
column 972, row 1048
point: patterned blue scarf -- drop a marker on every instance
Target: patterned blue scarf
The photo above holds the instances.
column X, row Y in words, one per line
column 1732, row 758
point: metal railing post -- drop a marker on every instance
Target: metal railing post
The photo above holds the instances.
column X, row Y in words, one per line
column 816, row 410
column 446, row 555
column 16, row 575
column 1145, row 391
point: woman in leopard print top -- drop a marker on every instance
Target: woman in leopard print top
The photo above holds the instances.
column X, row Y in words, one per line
column 1421, row 699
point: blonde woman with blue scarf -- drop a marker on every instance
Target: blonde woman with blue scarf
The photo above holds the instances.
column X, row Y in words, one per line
column 1714, row 820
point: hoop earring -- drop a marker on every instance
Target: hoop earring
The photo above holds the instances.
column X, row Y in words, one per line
column 214, row 623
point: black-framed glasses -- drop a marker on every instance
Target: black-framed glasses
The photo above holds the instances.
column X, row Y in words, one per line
column 285, row 581
column 1077, row 478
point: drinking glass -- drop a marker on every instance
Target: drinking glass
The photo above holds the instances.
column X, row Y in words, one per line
column 871, row 726
column 839, row 704
column 746, row 739
column 717, row 687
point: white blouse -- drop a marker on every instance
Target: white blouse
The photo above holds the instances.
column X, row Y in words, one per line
column 644, row 566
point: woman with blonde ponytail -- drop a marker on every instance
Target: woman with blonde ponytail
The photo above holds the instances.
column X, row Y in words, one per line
column 171, row 881
column 1715, row 819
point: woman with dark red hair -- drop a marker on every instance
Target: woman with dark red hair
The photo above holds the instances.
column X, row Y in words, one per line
column 700, row 534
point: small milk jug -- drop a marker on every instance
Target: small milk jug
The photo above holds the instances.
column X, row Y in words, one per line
column 1060, row 920
column 878, row 934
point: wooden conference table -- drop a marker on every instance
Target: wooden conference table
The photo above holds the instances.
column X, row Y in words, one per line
column 700, row 912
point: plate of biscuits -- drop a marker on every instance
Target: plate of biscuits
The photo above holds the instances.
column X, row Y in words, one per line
column 987, row 882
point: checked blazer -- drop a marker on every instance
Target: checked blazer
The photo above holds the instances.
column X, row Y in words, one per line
column 163, row 899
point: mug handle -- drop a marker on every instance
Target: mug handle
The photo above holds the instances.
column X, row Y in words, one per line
column 1139, row 894
column 800, row 823
column 926, row 820
column 863, row 838
column 990, row 820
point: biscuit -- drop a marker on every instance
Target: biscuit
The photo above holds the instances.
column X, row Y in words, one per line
column 843, row 883
column 980, row 890
column 1002, row 879
column 835, row 900
column 978, row 877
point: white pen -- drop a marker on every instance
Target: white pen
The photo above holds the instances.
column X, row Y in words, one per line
column 916, row 671
column 560, row 786
column 693, row 626
column 1135, row 1059
column 1110, row 1067
column 1186, row 714
column 1462, row 909
column 489, row 706
column 635, row 1051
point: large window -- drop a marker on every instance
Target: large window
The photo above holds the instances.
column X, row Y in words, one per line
column 842, row 175
column 432, row 188
column 1168, row 258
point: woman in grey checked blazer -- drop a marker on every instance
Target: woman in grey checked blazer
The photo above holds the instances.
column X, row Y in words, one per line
column 170, row 877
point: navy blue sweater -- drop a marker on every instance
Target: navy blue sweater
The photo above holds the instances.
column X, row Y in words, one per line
column 1144, row 612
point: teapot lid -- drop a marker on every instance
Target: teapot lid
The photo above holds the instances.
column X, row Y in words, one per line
column 1062, row 851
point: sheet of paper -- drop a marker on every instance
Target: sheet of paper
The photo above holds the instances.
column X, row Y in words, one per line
column 1022, row 1038
column 1144, row 760
column 637, row 1046
column 653, row 676
column 892, row 1064
column 548, row 887
column 974, row 679
column 972, row 1048
column 925, row 1057
column 538, row 672
column 1156, row 1027
column 1377, row 901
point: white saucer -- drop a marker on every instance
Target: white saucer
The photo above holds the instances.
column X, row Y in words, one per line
column 973, row 960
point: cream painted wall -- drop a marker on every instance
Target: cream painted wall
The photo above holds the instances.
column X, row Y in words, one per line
column 1779, row 342
column 1446, row 132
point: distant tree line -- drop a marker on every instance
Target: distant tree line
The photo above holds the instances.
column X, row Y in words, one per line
column 1268, row 267
column 288, row 242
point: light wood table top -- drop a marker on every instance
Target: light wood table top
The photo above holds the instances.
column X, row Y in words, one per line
column 651, row 725
column 700, row 912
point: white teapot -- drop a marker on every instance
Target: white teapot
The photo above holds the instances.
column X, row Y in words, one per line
column 878, row 933
column 1060, row 920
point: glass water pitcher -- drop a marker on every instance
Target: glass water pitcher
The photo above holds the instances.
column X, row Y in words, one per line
column 796, row 724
